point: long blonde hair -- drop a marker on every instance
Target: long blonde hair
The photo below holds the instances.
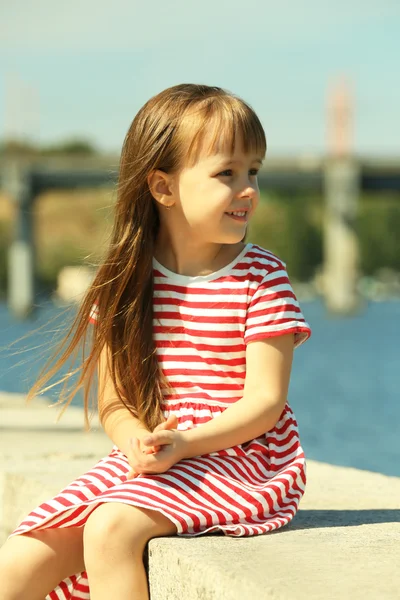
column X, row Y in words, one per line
column 165, row 134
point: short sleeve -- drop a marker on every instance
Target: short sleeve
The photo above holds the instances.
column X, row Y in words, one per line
column 94, row 314
column 274, row 310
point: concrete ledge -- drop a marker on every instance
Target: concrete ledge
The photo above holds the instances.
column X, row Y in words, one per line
column 344, row 541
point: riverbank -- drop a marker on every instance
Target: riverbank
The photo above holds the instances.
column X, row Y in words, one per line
column 343, row 541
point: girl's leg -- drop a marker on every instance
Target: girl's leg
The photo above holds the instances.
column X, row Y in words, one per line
column 32, row 564
column 115, row 537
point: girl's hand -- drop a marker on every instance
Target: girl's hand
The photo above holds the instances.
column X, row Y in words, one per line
column 172, row 451
column 170, row 423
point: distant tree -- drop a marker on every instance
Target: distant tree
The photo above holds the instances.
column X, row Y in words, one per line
column 71, row 147
column 12, row 147
column 378, row 227
column 284, row 224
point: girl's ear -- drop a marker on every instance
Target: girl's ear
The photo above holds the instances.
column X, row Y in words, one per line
column 160, row 187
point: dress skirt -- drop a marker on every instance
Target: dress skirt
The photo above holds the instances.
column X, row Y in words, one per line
column 249, row 489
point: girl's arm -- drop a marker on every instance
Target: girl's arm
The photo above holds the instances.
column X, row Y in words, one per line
column 118, row 423
column 268, row 368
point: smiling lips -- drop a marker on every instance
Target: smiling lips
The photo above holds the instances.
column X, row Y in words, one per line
column 238, row 215
column 241, row 209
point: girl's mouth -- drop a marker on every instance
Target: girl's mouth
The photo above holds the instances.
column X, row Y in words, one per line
column 242, row 217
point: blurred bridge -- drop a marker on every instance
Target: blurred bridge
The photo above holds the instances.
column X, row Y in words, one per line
column 340, row 179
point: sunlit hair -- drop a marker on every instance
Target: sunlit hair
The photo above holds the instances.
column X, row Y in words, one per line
column 165, row 134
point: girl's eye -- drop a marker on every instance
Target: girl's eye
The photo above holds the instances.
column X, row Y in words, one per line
column 253, row 172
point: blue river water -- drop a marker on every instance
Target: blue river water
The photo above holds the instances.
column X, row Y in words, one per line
column 344, row 387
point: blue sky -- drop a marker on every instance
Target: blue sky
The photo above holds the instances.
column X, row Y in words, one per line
column 85, row 67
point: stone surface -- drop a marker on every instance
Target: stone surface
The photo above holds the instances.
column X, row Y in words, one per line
column 343, row 543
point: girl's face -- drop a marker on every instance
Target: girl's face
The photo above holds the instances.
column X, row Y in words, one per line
column 212, row 188
column 202, row 196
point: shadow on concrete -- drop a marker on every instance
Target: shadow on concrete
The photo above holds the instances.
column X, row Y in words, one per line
column 312, row 519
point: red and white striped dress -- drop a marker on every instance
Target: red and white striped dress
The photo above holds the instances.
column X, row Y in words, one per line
column 201, row 327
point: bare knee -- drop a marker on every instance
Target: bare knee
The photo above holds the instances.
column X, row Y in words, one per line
column 110, row 528
column 19, row 565
column 34, row 563
column 8, row 560
column 115, row 529
column 17, row 558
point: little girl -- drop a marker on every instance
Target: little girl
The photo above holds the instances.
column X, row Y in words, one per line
column 193, row 332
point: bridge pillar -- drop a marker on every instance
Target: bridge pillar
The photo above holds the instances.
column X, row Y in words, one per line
column 342, row 184
column 341, row 248
column 21, row 261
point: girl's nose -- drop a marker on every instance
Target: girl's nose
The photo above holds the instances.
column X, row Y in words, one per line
column 248, row 191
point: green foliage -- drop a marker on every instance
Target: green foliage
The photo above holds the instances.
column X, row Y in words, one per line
column 10, row 147
column 72, row 147
column 17, row 148
column 61, row 256
column 378, row 227
column 286, row 226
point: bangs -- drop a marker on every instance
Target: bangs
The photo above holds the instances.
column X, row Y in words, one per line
column 216, row 126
